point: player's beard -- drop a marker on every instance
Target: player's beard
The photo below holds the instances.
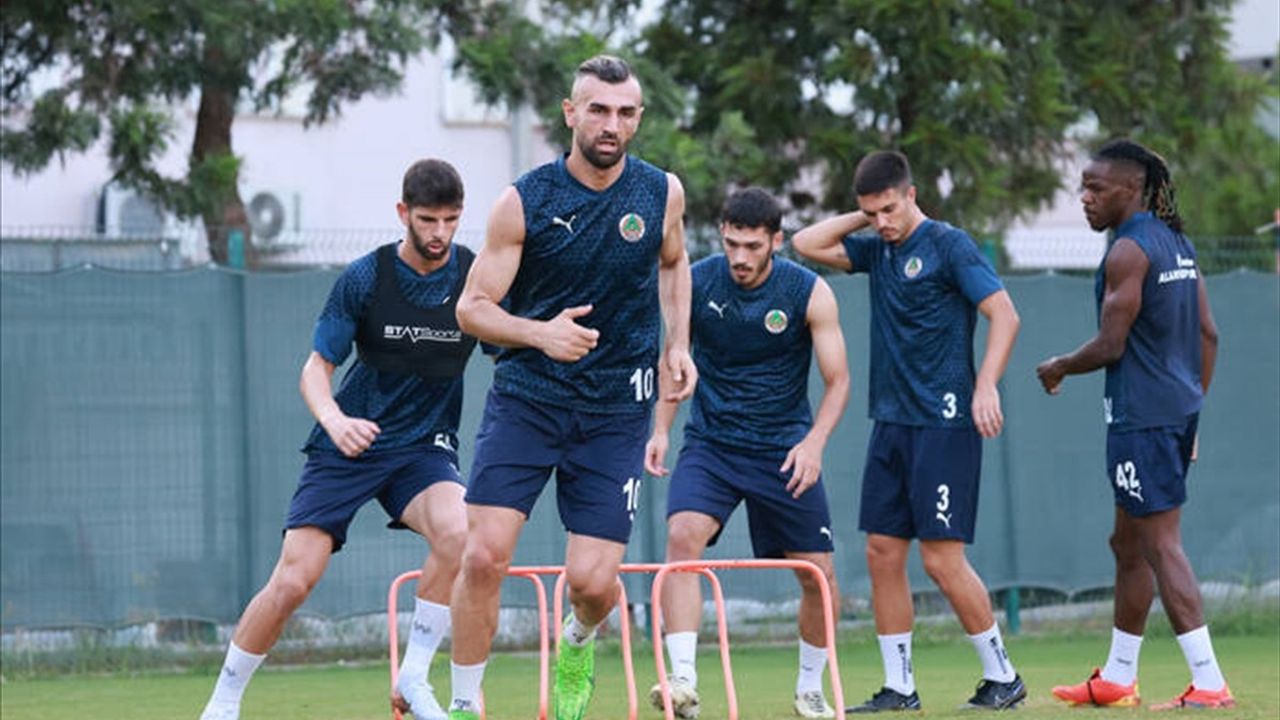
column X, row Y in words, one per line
column 599, row 159
column 421, row 246
column 756, row 272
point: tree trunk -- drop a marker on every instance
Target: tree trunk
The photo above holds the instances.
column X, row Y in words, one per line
column 213, row 137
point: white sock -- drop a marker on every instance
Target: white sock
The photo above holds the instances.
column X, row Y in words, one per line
column 1122, row 661
column 995, row 659
column 895, row 653
column 1198, row 649
column 578, row 633
column 466, row 686
column 237, row 670
column 430, row 623
column 813, row 660
column 682, row 648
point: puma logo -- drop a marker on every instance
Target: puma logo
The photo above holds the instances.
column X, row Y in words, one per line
column 568, row 224
column 826, row 531
column 946, row 519
column 718, row 308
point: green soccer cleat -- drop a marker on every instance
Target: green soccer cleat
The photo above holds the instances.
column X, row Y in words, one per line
column 463, row 715
column 575, row 679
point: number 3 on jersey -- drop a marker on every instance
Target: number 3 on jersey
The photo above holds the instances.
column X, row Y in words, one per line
column 949, row 410
column 642, row 381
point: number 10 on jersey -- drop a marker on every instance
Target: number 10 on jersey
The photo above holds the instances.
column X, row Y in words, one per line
column 642, row 381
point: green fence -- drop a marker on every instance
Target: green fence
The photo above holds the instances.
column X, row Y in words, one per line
column 151, row 425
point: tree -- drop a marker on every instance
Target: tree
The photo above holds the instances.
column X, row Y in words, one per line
column 124, row 64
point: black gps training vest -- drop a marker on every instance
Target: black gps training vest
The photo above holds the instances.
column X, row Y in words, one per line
column 399, row 337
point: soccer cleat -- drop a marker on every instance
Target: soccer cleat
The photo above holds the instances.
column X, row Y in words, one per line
column 812, row 704
column 1193, row 697
column 420, row 700
column 220, row 712
column 463, row 715
column 995, row 695
column 684, row 698
column 887, row 700
column 1099, row 691
column 575, row 679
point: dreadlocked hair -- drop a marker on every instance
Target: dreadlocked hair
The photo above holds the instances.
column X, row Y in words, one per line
column 1157, row 190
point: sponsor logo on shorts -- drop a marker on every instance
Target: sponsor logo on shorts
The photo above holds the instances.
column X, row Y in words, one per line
column 775, row 321
column 631, row 227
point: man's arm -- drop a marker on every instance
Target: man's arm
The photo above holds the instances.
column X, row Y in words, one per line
column 492, row 273
column 675, row 292
column 1002, row 330
column 351, row 435
column 1121, row 300
column 823, row 317
column 655, row 451
column 823, row 242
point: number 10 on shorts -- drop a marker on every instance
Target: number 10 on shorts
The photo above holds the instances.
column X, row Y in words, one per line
column 631, row 489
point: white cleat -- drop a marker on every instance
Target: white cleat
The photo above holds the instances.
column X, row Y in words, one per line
column 422, row 701
column 813, row 704
column 220, row 711
column 684, row 698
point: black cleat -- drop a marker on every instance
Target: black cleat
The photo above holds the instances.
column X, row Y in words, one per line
column 992, row 695
column 887, row 700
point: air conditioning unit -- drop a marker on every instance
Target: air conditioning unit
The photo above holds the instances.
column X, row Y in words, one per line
column 125, row 213
column 275, row 216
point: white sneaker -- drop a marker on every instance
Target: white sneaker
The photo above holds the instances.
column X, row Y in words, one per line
column 813, row 704
column 220, row 711
column 684, row 698
column 422, row 701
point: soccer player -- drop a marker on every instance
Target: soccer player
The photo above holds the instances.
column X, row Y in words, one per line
column 583, row 253
column 389, row 433
column 931, row 413
column 756, row 321
column 1158, row 341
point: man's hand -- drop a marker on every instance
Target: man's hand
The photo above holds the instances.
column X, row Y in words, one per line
column 1050, row 374
column 805, row 462
column 565, row 340
column 680, row 374
column 986, row 410
column 655, row 454
column 352, row 435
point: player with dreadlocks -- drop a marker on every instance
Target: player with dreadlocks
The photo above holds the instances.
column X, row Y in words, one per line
column 1158, row 342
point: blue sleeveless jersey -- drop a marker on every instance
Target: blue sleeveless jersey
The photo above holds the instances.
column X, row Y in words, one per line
column 924, row 295
column 1156, row 382
column 587, row 247
column 752, row 349
column 407, row 408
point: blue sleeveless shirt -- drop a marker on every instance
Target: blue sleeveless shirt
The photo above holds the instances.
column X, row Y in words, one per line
column 924, row 296
column 752, row 349
column 1156, row 382
column 581, row 247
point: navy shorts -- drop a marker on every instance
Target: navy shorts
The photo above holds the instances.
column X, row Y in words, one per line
column 713, row 479
column 333, row 486
column 921, row 482
column 598, row 459
column 1148, row 467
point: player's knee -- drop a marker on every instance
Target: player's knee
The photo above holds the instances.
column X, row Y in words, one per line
column 448, row 547
column 684, row 543
column 882, row 558
column 483, row 564
column 290, row 589
column 940, row 568
column 1126, row 552
column 592, row 585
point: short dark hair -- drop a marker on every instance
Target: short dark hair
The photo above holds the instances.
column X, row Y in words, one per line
column 1157, row 185
column 609, row 68
column 432, row 183
column 752, row 207
column 881, row 170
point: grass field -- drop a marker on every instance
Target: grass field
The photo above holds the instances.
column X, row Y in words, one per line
column 946, row 672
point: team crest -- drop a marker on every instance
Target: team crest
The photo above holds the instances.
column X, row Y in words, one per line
column 775, row 321
column 913, row 267
column 631, row 227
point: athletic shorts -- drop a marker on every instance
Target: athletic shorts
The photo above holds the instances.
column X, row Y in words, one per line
column 333, row 486
column 598, row 459
column 1148, row 468
column 713, row 479
column 921, row 482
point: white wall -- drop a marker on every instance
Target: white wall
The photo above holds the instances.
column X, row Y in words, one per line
column 346, row 173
